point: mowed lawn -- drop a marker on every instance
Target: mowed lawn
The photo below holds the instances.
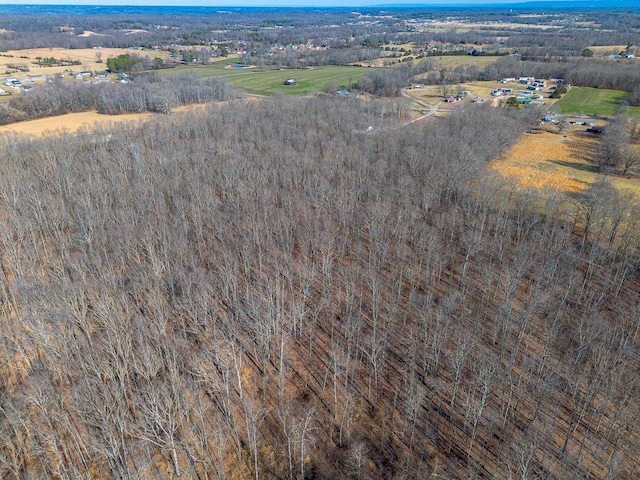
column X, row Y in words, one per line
column 593, row 101
column 271, row 82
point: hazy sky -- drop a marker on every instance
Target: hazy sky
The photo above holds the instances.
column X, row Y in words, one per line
column 246, row 3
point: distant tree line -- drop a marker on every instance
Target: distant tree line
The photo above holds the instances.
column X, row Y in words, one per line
column 390, row 82
column 145, row 92
column 598, row 73
column 339, row 56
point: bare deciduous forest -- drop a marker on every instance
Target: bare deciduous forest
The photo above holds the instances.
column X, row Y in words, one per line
column 316, row 287
column 275, row 290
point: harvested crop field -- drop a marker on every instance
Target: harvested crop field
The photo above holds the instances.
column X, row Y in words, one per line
column 88, row 58
column 72, row 122
column 560, row 162
column 605, row 49
column 549, row 160
column 69, row 123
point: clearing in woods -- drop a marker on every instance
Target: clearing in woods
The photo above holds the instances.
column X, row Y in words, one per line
column 271, row 82
column 560, row 162
column 433, row 95
column 73, row 122
column 69, row 123
column 594, row 101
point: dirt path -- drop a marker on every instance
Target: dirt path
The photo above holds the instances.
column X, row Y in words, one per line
column 433, row 109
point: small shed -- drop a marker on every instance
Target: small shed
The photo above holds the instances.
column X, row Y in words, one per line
column 290, row 81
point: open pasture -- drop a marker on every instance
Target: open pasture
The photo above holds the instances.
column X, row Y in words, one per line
column 271, row 82
column 599, row 102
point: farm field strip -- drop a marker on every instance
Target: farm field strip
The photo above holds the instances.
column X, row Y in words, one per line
column 593, row 101
column 70, row 123
column 531, row 163
column 602, row 49
column 73, row 122
column 466, row 60
column 557, row 162
column 269, row 82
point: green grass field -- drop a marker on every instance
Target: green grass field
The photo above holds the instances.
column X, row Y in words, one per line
column 593, row 101
column 271, row 82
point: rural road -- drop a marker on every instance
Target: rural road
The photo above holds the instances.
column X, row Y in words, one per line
column 433, row 109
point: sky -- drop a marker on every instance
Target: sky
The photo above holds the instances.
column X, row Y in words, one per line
column 251, row 3
column 303, row 3
column 214, row 3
